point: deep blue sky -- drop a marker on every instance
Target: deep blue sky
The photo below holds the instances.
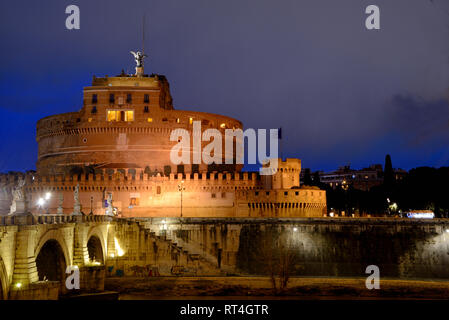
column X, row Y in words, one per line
column 342, row 94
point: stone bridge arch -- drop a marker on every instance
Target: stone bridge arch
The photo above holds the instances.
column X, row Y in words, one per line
column 4, row 283
column 96, row 244
column 52, row 257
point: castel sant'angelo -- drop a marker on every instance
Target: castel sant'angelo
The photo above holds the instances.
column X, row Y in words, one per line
column 113, row 157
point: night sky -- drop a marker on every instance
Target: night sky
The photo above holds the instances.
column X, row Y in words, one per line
column 341, row 93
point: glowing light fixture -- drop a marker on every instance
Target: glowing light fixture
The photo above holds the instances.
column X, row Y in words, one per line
column 18, row 285
column 41, row 201
column 295, row 229
column 120, row 251
column 47, row 195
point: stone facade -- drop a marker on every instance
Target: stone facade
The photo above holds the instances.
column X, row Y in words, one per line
column 118, row 145
column 125, row 122
column 238, row 194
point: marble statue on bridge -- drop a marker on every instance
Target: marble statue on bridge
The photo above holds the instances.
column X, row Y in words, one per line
column 18, row 206
column 76, row 198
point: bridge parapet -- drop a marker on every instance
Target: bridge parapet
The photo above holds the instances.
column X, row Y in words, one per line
column 51, row 219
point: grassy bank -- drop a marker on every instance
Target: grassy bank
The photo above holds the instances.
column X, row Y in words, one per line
column 260, row 286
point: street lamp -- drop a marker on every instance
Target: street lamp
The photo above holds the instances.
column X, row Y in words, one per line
column 47, row 202
column 40, row 203
column 181, row 188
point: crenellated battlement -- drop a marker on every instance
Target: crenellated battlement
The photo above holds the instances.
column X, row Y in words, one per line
column 139, row 177
column 136, row 193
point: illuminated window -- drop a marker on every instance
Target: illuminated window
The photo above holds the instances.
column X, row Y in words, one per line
column 150, row 119
column 90, row 119
column 112, row 115
column 120, row 115
column 129, row 115
column 190, row 120
column 177, row 120
column 223, row 125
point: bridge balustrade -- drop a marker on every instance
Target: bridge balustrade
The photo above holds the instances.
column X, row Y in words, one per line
column 51, row 219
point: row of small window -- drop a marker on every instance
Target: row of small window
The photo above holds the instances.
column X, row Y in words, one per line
column 214, row 195
column 128, row 115
column 285, row 193
column 94, row 110
column 120, row 115
column 125, row 115
column 146, row 98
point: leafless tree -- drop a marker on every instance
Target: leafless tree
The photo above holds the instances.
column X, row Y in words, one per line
column 278, row 257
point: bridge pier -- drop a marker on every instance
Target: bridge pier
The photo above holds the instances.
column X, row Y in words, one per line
column 80, row 253
column 25, row 269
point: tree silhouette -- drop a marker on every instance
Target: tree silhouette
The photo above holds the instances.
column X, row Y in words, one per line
column 388, row 175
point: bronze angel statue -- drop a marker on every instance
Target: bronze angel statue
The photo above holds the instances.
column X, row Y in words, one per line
column 138, row 56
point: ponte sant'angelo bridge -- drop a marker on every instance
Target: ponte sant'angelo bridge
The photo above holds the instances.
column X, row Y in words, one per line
column 36, row 250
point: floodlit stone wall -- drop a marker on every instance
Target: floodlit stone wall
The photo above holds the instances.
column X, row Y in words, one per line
column 138, row 194
column 402, row 248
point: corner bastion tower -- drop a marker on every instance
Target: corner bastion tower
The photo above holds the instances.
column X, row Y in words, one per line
column 113, row 157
